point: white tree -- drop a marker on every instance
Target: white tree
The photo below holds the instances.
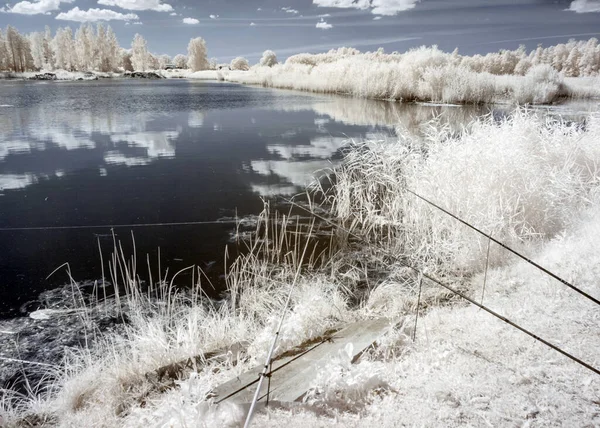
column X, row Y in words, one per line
column 163, row 60
column 126, row 60
column 239, row 63
column 3, row 53
column 100, row 49
column 19, row 51
column 64, row 49
column 113, row 50
column 197, row 59
column 180, row 61
column 269, row 59
column 139, row 53
column 85, row 45
column 153, row 63
column 48, row 53
column 36, row 41
column 587, row 63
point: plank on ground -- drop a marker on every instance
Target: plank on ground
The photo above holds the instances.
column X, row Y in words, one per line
column 293, row 380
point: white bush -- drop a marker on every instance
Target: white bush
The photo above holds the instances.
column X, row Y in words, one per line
column 239, row 63
column 269, row 59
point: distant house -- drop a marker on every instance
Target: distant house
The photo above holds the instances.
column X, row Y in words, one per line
column 172, row 67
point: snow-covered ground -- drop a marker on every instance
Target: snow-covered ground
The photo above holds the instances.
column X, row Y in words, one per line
column 62, row 75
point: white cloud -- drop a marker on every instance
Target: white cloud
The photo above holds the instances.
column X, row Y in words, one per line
column 36, row 7
column 289, row 10
column 323, row 25
column 377, row 18
column 378, row 7
column 138, row 23
column 259, row 9
column 213, row 16
column 93, row 15
column 173, row 14
column 585, row 6
column 155, row 5
column 325, row 15
column 252, row 24
column 190, row 21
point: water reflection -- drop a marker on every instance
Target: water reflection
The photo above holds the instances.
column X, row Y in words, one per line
column 163, row 152
column 299, row 137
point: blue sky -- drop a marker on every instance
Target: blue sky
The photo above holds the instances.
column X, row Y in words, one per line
column 248, row 27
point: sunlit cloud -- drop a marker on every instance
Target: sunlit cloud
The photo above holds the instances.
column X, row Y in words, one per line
column 377, row 7
column 323, row 25
column 154, row 5
column 36, row 7
column 585, row 6
column 190, row 21
column 93, row 15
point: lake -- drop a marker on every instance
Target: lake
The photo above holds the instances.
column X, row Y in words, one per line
column 80, row 159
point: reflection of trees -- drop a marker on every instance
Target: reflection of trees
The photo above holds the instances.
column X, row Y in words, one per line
column 195, row 119
column 321, row 147
column 410, row 117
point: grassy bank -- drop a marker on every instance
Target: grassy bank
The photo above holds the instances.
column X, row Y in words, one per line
column 424, row 74
column 530, row 182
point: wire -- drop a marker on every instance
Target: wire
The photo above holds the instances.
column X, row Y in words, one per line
column 114, row 226
column 531, row 262
column 458, row 293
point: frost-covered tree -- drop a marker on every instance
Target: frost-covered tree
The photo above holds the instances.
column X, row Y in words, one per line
column 19, row 51
column 153, row 63
column 163, row 60
column 588, row 65
column 197, row 59
column 571, row 67
column 85, row 48
column 269, row 59
column 36, row 43
column 113, row 50
column 47, row 47
column 239, row 63
column 3, row 52
column 126, row 60
column 139, row 53
column 180, row 61
column 64, row 49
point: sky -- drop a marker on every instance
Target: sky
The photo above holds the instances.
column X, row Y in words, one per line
column 248, row 27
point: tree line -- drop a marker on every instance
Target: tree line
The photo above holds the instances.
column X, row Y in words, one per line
column 97, row 49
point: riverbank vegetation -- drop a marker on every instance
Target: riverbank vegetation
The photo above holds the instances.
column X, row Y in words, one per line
column 542, row 76
column 428, row 74
column 530, row 181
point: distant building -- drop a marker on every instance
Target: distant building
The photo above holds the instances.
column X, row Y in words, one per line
column 172, row 67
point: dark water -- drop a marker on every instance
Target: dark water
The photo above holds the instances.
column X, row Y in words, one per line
column 122, row 152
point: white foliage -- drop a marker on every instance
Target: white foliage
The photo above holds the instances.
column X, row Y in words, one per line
column 239, row 63
column 197, row 57
column 180, row 61
column 268, row 59
column 140, row 59
column 428, row 74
